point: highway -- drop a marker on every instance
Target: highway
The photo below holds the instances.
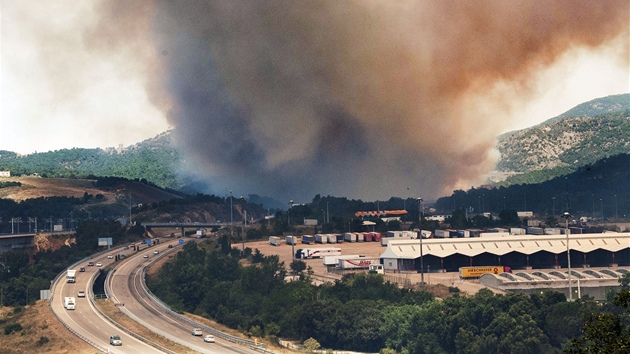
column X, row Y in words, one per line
column 126, row 288
column 85, row 320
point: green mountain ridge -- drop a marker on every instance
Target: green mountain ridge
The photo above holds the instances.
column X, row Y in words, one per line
column 587, row 133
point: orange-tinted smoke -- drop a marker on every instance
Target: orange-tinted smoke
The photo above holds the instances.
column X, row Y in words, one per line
column 358, row 98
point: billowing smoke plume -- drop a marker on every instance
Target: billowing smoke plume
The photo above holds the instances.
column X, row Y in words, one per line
column 365, row 99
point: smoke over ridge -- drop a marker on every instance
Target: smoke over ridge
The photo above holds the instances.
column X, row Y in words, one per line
column 356, row 98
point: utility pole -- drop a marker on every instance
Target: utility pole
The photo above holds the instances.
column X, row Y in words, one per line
column 244, row 228
column 566, row 217
column 420, row 237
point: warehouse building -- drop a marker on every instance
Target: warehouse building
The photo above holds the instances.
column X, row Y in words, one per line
column 516, row 251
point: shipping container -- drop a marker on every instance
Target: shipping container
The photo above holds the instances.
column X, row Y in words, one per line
column 554, row 231
column 376, row 237
column 321, row 238
column 518, row 231
column 275, row 241
column 442, row 233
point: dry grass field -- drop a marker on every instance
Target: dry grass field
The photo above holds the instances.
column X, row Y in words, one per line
column 40, row 332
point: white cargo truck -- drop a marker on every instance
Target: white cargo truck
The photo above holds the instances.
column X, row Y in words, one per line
column 275, row 241
column 71, row 276
column 69, row 303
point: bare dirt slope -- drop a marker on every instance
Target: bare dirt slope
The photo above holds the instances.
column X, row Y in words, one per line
column 40, row 332
column 35, row 187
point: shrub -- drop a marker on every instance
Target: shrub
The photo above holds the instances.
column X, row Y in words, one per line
column 42, row 340
column 13, row 327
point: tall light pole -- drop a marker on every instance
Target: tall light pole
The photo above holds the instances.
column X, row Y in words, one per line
column 616, row 214
column 420, row 237
column 244, row 228
column 289, row 213
column 566, row 217
column 231, row 217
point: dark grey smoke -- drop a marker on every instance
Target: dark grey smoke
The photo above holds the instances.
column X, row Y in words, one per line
column 365, row 99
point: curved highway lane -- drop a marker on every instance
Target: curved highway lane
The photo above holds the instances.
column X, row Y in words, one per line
column 86, row 320
column 126, row 288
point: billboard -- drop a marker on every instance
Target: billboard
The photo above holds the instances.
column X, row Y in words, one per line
column 104, row 241
column 310, row 222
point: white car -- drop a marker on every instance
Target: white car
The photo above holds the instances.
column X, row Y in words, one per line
column 99, row 264
column 156, row 252
column 110, row 257
column 146, row 256
column 209, row 338
column 81, row 293
column 197, row 332
column 115, row 340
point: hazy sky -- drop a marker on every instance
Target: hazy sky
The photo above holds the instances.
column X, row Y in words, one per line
column 98, row 74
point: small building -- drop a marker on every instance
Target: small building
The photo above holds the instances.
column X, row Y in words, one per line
column 5, row 173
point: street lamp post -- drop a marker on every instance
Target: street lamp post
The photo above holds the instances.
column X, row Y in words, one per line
column 291, row 229
column 420, row 237
column 231, row 217
column 244, row 228
column 566, row 217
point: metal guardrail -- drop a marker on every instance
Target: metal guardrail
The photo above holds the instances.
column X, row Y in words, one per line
column 246, row 342
column 123, row 328
column 52, row 296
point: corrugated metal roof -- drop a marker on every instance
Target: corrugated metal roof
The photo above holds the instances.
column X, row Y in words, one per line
column 524, row 244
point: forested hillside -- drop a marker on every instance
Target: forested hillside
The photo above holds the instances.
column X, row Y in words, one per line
column 567, row 143
column 155, row 160
column 598, row 189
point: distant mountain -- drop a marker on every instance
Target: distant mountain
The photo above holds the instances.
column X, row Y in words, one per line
column 586, row 133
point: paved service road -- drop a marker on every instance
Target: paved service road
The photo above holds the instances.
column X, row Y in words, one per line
column 86, row 320
column 126, row 288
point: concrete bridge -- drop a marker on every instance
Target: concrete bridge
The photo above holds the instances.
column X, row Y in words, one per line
column 184, row 225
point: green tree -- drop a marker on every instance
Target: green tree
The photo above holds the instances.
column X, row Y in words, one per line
column 606, row 332
column 310, row 345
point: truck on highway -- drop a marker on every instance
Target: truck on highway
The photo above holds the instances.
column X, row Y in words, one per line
column 69, row 303
column 71, row 276
column 476, row 272
column 303, row 253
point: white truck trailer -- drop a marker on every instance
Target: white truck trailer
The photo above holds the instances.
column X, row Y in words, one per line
column 334, row 260
column 358, row 263
column 69, row 303
column 303, row 253
column 71, row 276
